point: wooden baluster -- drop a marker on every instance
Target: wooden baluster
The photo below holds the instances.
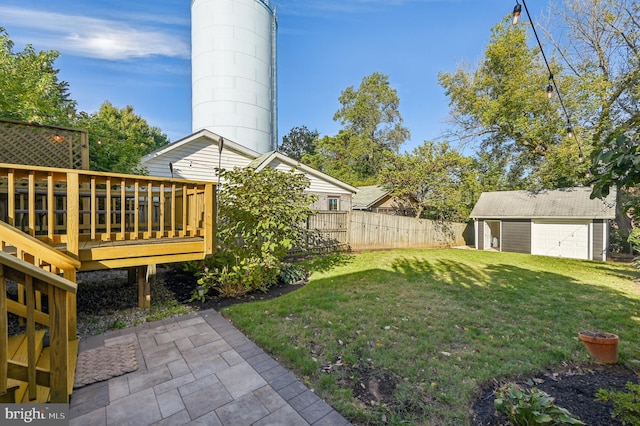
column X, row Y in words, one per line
column 4, row 332
column 172, row 233
column 107, row 208
column 149, row 232
column 184, row 211
column 50, row 207
column 161, row 207
column 11, row 200
column 94, row 209
column 31, row 338
column 31, row 204
column 136, row 210
column 123, row 209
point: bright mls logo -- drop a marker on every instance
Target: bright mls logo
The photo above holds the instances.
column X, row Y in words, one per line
column 39, row 414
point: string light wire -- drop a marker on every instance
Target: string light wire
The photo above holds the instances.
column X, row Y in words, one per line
column 570, row 132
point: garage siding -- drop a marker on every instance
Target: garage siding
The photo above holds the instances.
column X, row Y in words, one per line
column 516, row 235
column 598, row 240
column 480, row 242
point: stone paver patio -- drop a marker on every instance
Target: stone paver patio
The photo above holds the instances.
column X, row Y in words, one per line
column 197, row 369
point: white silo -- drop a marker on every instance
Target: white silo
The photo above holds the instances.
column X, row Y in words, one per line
column 233, row 66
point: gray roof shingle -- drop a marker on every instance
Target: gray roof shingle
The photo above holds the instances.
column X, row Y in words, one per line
column 566, row 203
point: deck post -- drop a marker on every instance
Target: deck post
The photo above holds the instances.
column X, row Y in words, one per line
column 146, row 275
column 210, row 217
column 73, row 214
column 59, row 346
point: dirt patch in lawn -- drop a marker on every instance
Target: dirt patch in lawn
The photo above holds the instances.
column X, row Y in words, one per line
column 573, row 387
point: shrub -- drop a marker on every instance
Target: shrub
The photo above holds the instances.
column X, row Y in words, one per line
column 291, row 274
column 535, row 407
column 260, row 217
column 626, row 405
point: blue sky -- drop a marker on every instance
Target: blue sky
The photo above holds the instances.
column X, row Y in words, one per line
column 137, row 53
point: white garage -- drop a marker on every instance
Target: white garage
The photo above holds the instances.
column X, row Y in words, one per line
column 565, row 238
column 561, row 222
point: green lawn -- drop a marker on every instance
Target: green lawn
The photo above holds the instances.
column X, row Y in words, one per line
column 439, row 324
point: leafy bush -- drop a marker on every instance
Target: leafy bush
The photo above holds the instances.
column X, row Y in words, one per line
column 260, row 217
column 626, row 405
column 291, row 274
column 526, row 408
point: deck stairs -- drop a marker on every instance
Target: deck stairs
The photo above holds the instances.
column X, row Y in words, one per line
column 56, row 222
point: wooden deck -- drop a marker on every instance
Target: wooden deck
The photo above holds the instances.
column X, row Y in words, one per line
column 105, row 220
column 55, row 222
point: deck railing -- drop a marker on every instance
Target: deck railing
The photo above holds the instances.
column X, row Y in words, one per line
column 64, row 206
column 34, row 282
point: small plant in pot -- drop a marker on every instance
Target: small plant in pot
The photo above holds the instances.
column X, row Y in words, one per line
column 602, row 346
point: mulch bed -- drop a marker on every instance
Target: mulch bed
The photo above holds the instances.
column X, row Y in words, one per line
column 573, row 388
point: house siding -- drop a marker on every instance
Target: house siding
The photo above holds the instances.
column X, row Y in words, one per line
column 322, row 203
column 196, row 161
column 316, row 185
column 516, row 236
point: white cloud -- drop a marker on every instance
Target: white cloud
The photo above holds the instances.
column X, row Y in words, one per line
column 93, row 37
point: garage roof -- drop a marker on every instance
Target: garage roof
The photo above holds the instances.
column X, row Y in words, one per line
column 566, row 203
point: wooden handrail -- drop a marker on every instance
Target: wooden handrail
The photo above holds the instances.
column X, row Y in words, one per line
column 11, row 236
column 43, row 276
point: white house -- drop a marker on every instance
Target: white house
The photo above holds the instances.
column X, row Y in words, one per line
column 198, row 155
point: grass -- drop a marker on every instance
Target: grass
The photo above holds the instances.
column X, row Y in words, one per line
column 438, row 325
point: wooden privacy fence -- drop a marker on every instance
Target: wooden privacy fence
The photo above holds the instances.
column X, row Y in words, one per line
column 368, row 231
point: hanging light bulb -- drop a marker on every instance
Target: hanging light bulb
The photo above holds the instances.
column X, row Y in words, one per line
column 570, row 131
column 549, row 91
column 581, row 157
column 517, row 11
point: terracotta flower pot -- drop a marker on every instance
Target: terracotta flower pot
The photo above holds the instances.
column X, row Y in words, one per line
column 601, row 345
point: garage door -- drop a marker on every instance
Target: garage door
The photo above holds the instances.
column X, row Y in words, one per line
column 560, row 239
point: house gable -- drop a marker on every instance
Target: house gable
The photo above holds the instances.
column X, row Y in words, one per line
column 197, row 157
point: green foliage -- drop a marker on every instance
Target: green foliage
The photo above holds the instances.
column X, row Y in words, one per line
column 502, row 107
column 626, row 404
column 435, row 180
column 29, row 86
column 617, row 164
column 260, row 218
column 119, row 138
column 372, row 127
column 528, row 408
column 291, row 274
column 298, row 142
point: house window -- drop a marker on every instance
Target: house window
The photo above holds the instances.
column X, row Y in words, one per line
column 334, row 203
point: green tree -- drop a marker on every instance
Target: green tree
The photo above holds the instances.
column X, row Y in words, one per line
column 372, row 127
column 119, row 138
column 502, row 107
column 298, row 142
column 435, row 180
column 600, row 46
column 260, row 221
column 29, row 86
